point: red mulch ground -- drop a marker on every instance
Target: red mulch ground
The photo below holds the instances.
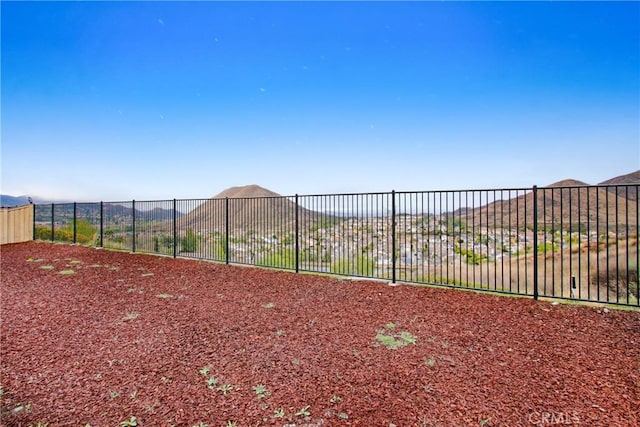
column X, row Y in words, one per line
column 126, row 335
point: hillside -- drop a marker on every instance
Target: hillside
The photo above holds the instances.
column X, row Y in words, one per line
column 251, row 207
column 11, row 201
column 587, row 206
column 630, row 178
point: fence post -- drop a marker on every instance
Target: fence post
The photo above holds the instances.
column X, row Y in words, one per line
column 133, row 225
column 75, row 214
column 393, row 236
column 226, row 230
column 175, row 228
column 535, row 242
column 53, row 218
column 101, row 224
column 297, row 238
column 34, row 222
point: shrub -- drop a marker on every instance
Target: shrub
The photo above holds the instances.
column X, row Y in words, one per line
column 43, row 232
column 471, row 256
column 363, row 266
column 547, row 247
column 220, row 247
column 85, row 232
column 64, row 234
column 308, row 255
column 284, row 259
column 188, row 242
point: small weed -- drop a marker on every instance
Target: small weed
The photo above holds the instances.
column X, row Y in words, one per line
column 134, row 394
column 47, row 267
column 278, row 413
column 147, row 274
column 430, row 362
column 231, row 424
column 113, row 395
column 335, row 399
column 67, row 272
column 394, row 341
column 269, row 305
column 304, row 412
column 407, row 337
column 164, row 296
column 131, row 422
column 200, row 424
column 75, row 261
column 150, row 407
column 484, row 422
column 225, row 389
column 295, row 362
column 261, row 391
column 211, row 382
column 390, row 326
column 205, row 370
column 342, row 416
column 280, row 332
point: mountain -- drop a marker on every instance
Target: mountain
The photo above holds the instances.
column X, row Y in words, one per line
column 251, row 207
column 566, row 202
column 567, row 183
column 113, row 211
column 630, row 178
column 11, row 201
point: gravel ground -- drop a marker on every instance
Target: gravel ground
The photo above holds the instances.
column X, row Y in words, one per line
column 96, row 337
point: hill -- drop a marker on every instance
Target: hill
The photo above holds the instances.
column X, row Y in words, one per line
column 11, row 201
column 630, row 178
column 251, row 208
column 559, row 204
column 567, row 183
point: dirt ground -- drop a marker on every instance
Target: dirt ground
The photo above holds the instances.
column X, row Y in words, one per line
column 104, row 338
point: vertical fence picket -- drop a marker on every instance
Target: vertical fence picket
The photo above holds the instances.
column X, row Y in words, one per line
column 535, row 242
column 133, row 226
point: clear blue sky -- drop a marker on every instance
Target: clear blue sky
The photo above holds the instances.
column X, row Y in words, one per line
column 146, row 100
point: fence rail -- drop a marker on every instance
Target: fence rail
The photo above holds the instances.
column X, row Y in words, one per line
column 574, row 242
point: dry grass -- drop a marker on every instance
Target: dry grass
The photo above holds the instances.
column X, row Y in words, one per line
column 602, row 273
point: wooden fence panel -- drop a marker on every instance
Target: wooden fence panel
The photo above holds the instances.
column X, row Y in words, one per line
column 16, row 224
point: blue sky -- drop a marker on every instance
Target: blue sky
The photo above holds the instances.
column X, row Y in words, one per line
column 156, row 100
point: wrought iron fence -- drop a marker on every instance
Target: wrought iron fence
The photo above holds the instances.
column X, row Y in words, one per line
column 575, row 242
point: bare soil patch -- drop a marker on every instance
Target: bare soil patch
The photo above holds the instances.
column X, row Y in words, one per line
column 97, row 337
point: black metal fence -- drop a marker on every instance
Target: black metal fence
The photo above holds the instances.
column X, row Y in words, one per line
column 576, row 242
